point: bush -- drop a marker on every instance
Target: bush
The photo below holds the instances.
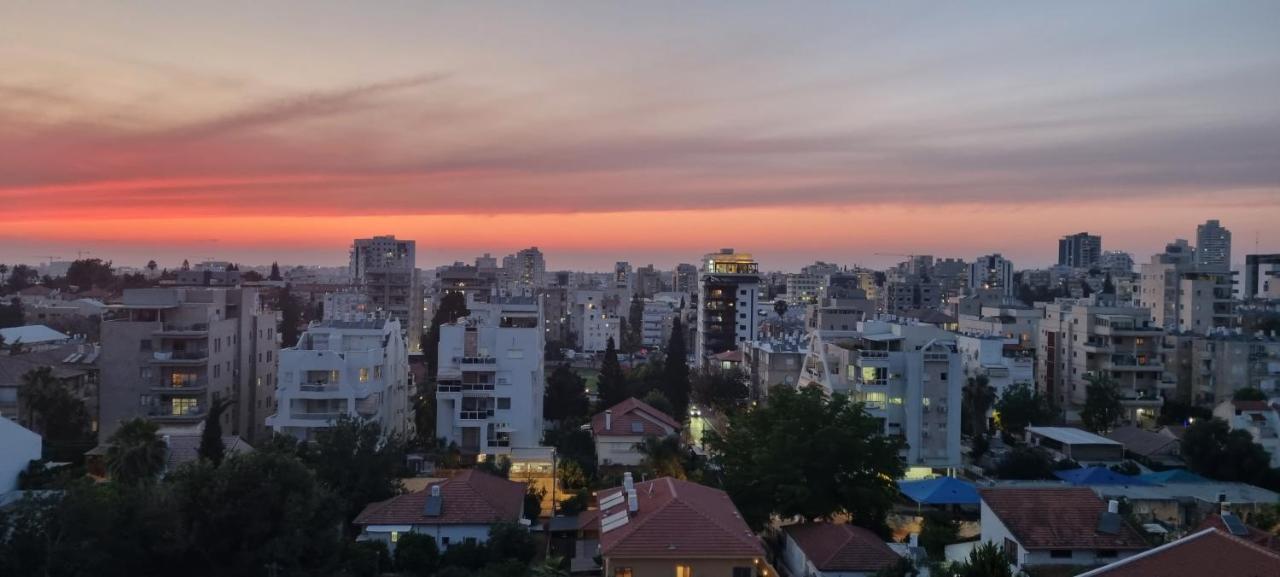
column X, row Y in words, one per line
column 467, row 555
column 366, row 558
column 417, row 554
column 1025, row 463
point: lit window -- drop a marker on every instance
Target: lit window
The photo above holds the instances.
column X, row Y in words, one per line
column 622, row 572
column 684, row 571
column 364, row 374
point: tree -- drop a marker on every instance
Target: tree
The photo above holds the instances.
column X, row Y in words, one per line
column 1175, row 412
column 723, row 389
column 611, row 385
column 20, row 276
column 54, row 411
column 663, row 456
column 809, row 456
column 632, row 340
column 90, row 272
column 985, row 560
column 675, row 384
column 1249, row 394
column 553, row 566
column 780, row 307
column 1213, row 450
column 510, row 541
column 152, row 266
column 211, row 447
column 290, row 317
column 275, row 272
column 659, row 401
column 977, row 396
column 533, row 496
column 1085, row 289
column 902, row 567
column 566, row 396
column 1020, row 406
column 417, row 554
column 11, row 314
column 1102, row 408
column 1108, row 286
column 135, row 452
column 1025, row 463
column 938, row 530
column 353, row 458
column 452, row 306
column 251, row 276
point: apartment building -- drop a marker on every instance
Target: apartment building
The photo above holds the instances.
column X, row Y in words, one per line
column 386, row 270
column 1116, row 262
column 524, row 272
column 1261, row 276
column 728, row 291
column 772, row 362
column 357, row 367
column 908, row 375
column 1004, row 361
column 593, row 324
column 1009, row 321
column 1184, row 297
column 1210, row 368
column 1213, row 247
column 167, row 353
column 1080, row 250
column 991, row 273
column 804, row 289
column 656, row 319
column 1260, row 419
column 685, row 278
column 490, row 382
column 1080, row 337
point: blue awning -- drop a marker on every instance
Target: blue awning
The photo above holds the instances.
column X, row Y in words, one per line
column 1098, row 476
column 940, row 491
column 1173, row 476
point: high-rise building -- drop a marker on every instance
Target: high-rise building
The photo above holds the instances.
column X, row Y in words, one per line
column 490, row 382
column 169, row 353
column 685, row 278
column 357, row 367
column 1080, row 250
column 1183, row 297
column 991, row 273
column 728, row 288
column 1213, row 247
column 1116, row 262
column 1261, row 276
column 622, row 276
column 386, row 270
column 523, row 272
column 593, row 324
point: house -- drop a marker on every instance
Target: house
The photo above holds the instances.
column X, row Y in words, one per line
column 186, row 448
column 1259, row 418
column 74, row 366
column 667, row 527
column 1076, row 444
column 459, row 509
column 34, row 337
column 1056, row 526
column 1207, row 552
column 1230, row 523
column 18, row 447
column 834, row 550
column 1151, row 446
column 620, row 427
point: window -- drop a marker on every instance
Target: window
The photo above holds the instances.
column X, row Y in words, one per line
column 1011, row 550
column 268, row 356
column 333, row 376
column 145, row 374
column 444, row 541
column 1060, row 553
column 515, row 353
column 217, row 371
column 144, row 400
column 504, row 403
column 622, row 572
column 364, row 374
column 684, row 571
column 183, row 405
column 1106, row 553
column 637, row 426
column 741, row 572
column 144, row 345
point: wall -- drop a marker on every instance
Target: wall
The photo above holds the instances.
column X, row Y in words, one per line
column 667, row 567
column 18, row 447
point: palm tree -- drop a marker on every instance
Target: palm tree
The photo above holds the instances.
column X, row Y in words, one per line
column 34, row 396
column 552, row 567
column 136, row 453
column 663, row 456
column 978, row 396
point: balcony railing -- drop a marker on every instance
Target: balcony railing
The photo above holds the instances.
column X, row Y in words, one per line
column 317, row 387
column 475, row 415
column 168, row 411
column 475, row 360
column 865, row 354
column 166, row 356
column 317, row 416
column 463, row 387
column 936, row 357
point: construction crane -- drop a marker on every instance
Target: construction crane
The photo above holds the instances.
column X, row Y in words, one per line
column 50, row 257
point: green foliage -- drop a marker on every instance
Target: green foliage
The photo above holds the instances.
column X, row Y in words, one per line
column 573, row 444
column 1102, row 409
column 290, row 317
column 566, row 395
column 1266, row 517
column 275, row 272
column 470, row 556
column 938, row 530
column 1176, row 412
column 675, row 382
column 659, row 401
column 1213, row 450
column 985, row 560
column 632, row 340
column 20, row 276
column 417, row 554
column 57, row 413
column 724, row 390
column 11, row 314
column 90, row 272
column 211, row 447
column 1022, row 405
column 533, row 496
column 810, row 456
column 353, row 460
column 977, row 396
column 903, row 567
column 663, row 457
column 499, row 467
column 780, row 307
column 611, row 386
column 1249, row 394
column 366, row 559
column 136, row 453
column 554, row 566
column 510, row 541
column 1025, row 463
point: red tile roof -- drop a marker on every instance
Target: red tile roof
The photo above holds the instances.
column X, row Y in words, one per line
column 470, row 498
column 1057, row 518
column 841, row 547
column 678, row 519
column 1252, row 406
column 1256, row 536
column 733, row 356
column 1209, row 552
column 652, row 421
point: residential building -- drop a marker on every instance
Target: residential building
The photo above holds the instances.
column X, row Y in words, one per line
column 459, row 509
column 524, row 272
column 593, row 324
column 490, row 380
column 557, row 311
column 1080, row 250
column 386, row 270
column 209, row 273
column 825, row 549
column 1002, row 360
column 1207, row 552
column 1184, row 297
column 34, row 337
column 1181, row 500
column 991, row 273
column 618, row 429
column 346, row 304
column 728, row 291
column 685, row 279
column 1210, row 368
column 648, row 282
column 951, row 274
column 773, row 362
column 623, row 278
column 1116, row 262
column 1079, row 338
column 1076, row 444
column 1151, row 446
column 656, row 319
column 1056, row 526
column 908, row 375
column 803, row 289
column 839, row 314
column 904, row 293
column 1260, row 419
column 476, row 283
column 1016, row 322
column 18, row 448
column 1213, row 247
column 668, row 527
column 167, row 353
column 357, row 368
column 1261, row 276
column 74, row 366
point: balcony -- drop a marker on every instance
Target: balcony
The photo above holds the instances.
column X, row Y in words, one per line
column 180, row 358
column 177, row 331
column 318, row 387
column 456, row 387
column 479, row 415
column 470, row 361
column 937, row 357
column 192, row 412
column 190, row 387
column 317, row 416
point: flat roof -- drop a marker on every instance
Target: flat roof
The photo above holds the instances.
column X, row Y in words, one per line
column 1072, row 436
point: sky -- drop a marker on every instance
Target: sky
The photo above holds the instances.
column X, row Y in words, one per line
column 652, row 132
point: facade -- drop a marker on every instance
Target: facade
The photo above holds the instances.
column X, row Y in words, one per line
column 1076, row 444
column 357, row 368
column 1015, row 322
column 619, row 428
column 991, row 273
column 773, row 362
column 1116, row 262
column 668, row 527
column 386, row 270
column 524, row 272
column 685, row 279
column 1080, row 250
column 345, row 305
column 1210, row 368
column 656, row 319
column 1213, row 247
column 457, row 510
column 1261, row 276
column 826, row 549
column 490, row 381
column 1039, row 527
column 804, row 289
column 593, row 324
column 18, row 447
column 905, row 293
column 167, row 353
column 1182, row 295
column 1002, row 360
column 1260, row 419
column 728, row 291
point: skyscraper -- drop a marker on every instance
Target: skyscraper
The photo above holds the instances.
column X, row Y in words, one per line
column 991, row 273
column 1213, row 247
column 1080, row 250
column 386, row 270
column 728, row 287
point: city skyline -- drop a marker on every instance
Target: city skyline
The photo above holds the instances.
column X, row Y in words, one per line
column 166, row 132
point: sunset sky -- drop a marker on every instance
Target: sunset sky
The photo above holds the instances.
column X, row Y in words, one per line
column 646, row 131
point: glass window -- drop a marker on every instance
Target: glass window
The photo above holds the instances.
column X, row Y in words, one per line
column 741, row 572
column 364, row 374
column 622, row 572
column 1060, row 553
column 684, row 571
column 504, row 403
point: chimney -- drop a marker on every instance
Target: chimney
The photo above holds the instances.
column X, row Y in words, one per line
column 435, row 490
column 633, row 502
column 1113, row 506
column 608, row 423
column 915, row 540
column 1224, row 507
column 628, row 483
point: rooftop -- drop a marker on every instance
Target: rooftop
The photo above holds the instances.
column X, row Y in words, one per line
column 676, row 519
column 1208, row 552
column 633, row 414
column 1071, row 436
column 841, row 547
column 1057, row 518
column 1143, row 442
column 32, row 335
column 468, row 498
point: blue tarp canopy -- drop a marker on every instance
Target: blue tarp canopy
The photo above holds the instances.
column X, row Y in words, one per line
column 1098, row 476
column 1173, row 476
column 940, row 491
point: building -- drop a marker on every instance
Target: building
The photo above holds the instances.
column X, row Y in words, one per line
column 728, row 290
column 1207, row 552
column 1080, row 250
column 460, row 509
column 903, row 293
column 1213, row 247
column 908, row 375
column 668, row 527
column 34, row 337
column 345, row 304
column 826, row 549
column 804, row 289
column 1056, row 526
column 1260, row 419
column 357, row 368
column 991, row 273
column 1261, row 276
column 685, row 279
column 74, row 366
column 167, row 353
column 1152, row 446
column 1076, row 444
column 619, row 428
column 209, row 273
column 524, row 272
column 386, row 270
column 648, row 281
column 1002, row 360
column 623, row 277
column 1015, row 322
column 490, row 381
column 1116, row 262
column 1079, row 338
column 656, row 319
column 18, row 448
column 1209, row 368
column 593, row 324
column 772, row 363
column 1183, row 296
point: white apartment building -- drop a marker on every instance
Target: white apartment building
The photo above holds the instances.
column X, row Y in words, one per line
column 1009, row 322
column 1259, row 418
column 592, row 323
column 1211, row 368
column 1003, row 360
column 991, row 273
column 804, row 289
column 1213, row 247
column 1184, row 297
column 346, row 304
column 728, row 311
column 357, row 368
column 656, row 320
column 386, row 270
column 490, row 382
column 909, row 375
